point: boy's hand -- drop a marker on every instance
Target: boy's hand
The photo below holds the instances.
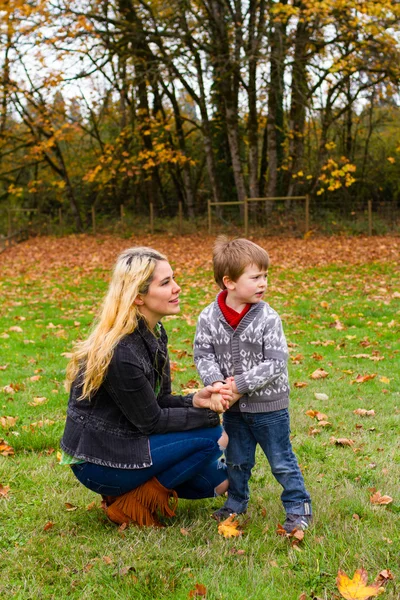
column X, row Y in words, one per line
column 230, row 391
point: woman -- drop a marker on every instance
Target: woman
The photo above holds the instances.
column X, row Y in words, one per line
column 126, row 436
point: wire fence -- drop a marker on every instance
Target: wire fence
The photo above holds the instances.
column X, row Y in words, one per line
column 298, row 217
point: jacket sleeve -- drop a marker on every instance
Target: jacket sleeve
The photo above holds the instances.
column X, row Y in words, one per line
column 166, row 399
column 274, row 363
column 133, row 394
column 204, row 353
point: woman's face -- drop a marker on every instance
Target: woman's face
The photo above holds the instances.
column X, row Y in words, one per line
column 163, row 296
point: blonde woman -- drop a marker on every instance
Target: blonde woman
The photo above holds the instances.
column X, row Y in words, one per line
column 127, row 437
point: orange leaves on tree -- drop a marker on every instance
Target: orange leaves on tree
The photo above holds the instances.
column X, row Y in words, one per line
column 377, row 498
column 229, row 528
column 358, row 588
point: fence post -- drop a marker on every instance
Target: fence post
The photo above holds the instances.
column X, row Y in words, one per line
column 122, row 212
column 180, row 217
column 246, row 217
column 209, row 216
column 60, row 216
column 307, row 226
column 369, row 217
column 93, row 219
column 151, row 218
column 9, row 222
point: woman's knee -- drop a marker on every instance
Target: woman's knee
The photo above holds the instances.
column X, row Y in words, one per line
column 222, row 488
column 223, row 441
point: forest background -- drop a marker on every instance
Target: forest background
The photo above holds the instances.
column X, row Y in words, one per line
column 144, row 102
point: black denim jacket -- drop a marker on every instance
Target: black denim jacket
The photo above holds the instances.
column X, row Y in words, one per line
column 112, row 428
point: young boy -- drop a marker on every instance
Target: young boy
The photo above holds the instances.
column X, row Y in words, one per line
column 240, row 346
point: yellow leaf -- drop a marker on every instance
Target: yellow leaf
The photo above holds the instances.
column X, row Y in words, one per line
column 229, row 527
column 357, row 588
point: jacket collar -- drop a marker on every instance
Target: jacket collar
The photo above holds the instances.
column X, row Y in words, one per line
column 247, row 319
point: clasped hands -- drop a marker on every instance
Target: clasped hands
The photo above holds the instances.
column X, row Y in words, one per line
column 217, row 397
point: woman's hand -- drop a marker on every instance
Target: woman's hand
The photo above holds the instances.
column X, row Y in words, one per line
column 209, row 397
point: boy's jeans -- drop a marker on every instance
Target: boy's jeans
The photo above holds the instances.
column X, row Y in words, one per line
column 272, row 431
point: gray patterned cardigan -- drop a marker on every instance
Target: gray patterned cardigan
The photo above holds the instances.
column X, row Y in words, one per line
column 255, row 353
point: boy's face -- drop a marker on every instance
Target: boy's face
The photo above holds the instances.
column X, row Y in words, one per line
column 250, row 287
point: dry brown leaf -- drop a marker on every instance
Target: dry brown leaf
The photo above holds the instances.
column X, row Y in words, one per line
column 199, row 590
column 184, row 531
column 357, row 588
column 49, row 525
column 38, row 401
column 363, row 412
column 320, row 396
column 35, row 378
column 229, row 528
column 5, row 449
column 300, row 384
column 4, row 489
column 363, row 378
column 107, row 560
column 319, row 374
column 70, row 507
column 377, row 498
column 384, row 379
column 7, row 422
column 341, row 441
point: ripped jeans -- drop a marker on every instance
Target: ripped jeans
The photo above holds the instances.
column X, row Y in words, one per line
column 272, row 431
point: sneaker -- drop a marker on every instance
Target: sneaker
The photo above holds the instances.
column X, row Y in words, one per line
column 296, row 522
column 222, row 513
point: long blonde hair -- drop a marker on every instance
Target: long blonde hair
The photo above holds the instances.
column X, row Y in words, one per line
column 132, row 275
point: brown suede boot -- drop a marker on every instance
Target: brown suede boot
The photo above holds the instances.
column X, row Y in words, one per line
column 141, row 505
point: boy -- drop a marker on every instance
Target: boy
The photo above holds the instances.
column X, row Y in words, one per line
column 240, row 346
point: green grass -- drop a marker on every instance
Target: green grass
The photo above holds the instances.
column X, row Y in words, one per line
column 84, row 556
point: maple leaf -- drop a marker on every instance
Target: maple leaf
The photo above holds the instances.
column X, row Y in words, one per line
column 319, row 374
column 229, row 528
column 7, row 422
column 357, row 588
column 377, row 498
column 38, row 401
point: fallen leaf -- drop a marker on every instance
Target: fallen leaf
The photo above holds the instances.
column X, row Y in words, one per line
column 92, row 505
column 184, row 531
column 300, row 384
column 356, row 588
column 107, row 560
column 16, row 329
column 5, row 449
column 7, row 422
column 377, row 498
column 199, row 590
column 341, row 441
column 38, row 401
column 384, row 379
column 8, row 389
column 4, row 489
column 363, row 412
column 229, row 527
column 70, row 507
column 319, row 374
column 35, row 378
column 49, row 525
column 363, row 378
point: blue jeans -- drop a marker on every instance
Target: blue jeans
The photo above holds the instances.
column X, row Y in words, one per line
column 272, row 431
column 185, row 461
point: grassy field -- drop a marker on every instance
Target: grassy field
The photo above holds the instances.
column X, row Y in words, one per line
column 55, row 542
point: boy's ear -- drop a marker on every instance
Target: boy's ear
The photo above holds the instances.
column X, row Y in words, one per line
column 228, row 283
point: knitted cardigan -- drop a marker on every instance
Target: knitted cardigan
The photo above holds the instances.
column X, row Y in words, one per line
column 255, row 353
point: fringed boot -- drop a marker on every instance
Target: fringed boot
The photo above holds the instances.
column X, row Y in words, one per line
column 141, row 505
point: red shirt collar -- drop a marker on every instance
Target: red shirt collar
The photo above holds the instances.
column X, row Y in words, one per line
column 232, row 317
